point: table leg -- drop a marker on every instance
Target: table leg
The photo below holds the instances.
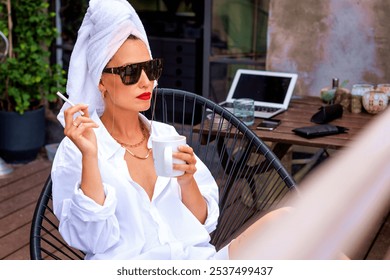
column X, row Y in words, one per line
column 280, row 149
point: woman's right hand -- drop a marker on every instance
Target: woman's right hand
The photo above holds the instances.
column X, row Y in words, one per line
column 79, row 129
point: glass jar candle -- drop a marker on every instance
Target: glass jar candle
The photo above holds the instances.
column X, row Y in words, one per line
column 357, row 92
column 385, row 88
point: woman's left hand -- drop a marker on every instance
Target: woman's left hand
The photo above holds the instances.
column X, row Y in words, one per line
column 185, row 153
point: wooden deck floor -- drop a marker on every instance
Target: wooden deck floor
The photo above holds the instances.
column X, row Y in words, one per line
column 19, row 192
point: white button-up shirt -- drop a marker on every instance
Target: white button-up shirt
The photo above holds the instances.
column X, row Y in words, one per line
column 129, row 225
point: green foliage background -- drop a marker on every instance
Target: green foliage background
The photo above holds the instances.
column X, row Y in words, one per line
column 27, row 80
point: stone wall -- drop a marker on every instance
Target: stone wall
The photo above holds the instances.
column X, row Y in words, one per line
column 319, row 40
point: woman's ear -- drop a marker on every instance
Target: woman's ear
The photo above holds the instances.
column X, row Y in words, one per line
column 102, row 88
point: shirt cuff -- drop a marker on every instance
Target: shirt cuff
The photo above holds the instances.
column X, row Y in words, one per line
column 212, row 214
column 88, row 210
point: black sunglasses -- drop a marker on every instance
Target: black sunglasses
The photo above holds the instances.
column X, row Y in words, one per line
column 131, row 73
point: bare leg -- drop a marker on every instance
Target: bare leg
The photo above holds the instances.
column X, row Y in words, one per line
column 242, row 247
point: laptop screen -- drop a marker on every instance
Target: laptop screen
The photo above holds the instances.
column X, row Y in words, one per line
column 265, row 87
column 262, row 88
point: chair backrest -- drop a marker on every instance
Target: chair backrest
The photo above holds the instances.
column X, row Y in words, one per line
column 250, row 177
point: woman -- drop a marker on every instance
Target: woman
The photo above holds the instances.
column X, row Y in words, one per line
column 106, row 194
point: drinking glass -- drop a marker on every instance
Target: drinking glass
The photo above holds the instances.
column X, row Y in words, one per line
column 244, row 109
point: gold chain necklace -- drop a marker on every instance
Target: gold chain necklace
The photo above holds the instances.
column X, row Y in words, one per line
column 138, row 157
column 126, row 145
column 134, row 145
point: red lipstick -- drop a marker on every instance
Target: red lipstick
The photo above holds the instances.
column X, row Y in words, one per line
column 144, row 96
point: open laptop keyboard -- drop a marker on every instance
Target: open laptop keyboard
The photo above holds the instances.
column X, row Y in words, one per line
column 265, row 109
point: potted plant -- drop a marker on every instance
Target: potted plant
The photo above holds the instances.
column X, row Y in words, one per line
column 28, row 82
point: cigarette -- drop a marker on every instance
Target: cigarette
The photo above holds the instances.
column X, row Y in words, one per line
column 67, row 100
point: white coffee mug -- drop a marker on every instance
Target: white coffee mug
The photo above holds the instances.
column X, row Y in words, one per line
column 163, row 147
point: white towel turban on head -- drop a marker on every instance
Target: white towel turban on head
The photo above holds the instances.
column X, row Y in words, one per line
column 105, row 27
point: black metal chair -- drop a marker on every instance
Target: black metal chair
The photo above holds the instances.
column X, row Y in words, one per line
column 251, row 178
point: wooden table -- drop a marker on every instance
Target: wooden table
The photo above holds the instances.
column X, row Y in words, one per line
column 299, row 114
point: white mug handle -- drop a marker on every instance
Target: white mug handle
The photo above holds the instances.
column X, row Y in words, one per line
column 168, row 164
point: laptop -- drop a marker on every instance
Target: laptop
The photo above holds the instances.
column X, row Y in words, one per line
column 271, row 91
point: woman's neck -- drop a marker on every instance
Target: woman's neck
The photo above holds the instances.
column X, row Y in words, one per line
column 125, row 127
